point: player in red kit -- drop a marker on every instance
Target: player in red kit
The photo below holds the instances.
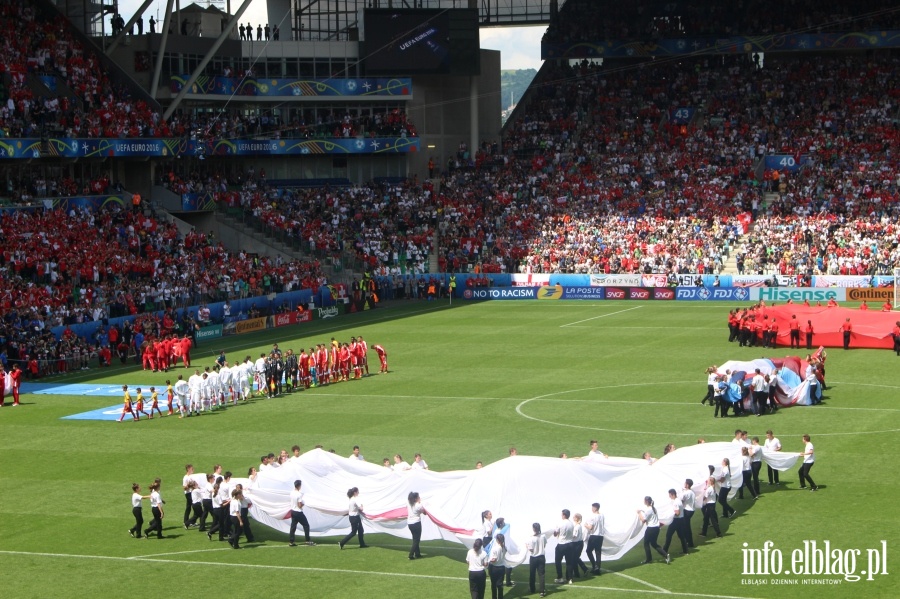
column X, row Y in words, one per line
column 364, row 354
column 345, row 362
column 186, row 351
column 303, row 362
column 382, row 356
column 16, row 376
column 360, row 356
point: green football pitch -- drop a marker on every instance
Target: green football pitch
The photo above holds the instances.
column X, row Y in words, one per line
column 467, row 382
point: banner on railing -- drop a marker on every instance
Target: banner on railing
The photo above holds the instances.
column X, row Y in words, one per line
column 285, row 319
column 250, row 325
column 396, row 88
column 210, row 332
column 12, row 148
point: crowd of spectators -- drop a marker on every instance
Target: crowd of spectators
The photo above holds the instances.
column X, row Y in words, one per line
column 85, row 266
column 590, row 21
column 86, row 102
column 389, row 227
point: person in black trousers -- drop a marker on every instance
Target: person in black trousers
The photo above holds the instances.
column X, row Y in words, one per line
column 725, row 489
column 188, row 501
column 355, row 515
column 414, row 522
column 747, row 474
column 537, row 566
column 137, row 511
column 245, row 513
column 648, row 516
column 688, row 501
column 678, row 522
column 297, row 515
column 156, row 504
column 594, row 526
column 709, row 508
column 206, row 501
column 219, row 512
column 237, row 522
column 809, row 460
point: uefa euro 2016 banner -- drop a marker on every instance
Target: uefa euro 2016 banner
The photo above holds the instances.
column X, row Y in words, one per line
column 30, row 148
column 397, row 87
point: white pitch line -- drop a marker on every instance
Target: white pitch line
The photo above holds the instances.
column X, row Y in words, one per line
column 654, row 590
column 601, row 316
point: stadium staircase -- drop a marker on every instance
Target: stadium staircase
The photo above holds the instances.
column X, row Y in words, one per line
column 335, row 268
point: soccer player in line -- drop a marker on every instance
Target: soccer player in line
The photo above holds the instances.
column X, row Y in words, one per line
column 170, row 397
column 139, row 405
column 154, row 402
column 364, row 353
column 182, row 390
column 126, row 408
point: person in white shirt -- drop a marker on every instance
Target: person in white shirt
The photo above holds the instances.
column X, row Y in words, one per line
column 594, row 526
column 772, row 444
column 711, row 377
column 497, row 565
column 356, row 455
column 205, row 491
column 194, row 388
column 137, row 510
column 237, row 521
column 295, row 450
column 156, row 506
column 354, row 512
column 772, row 379
column 214, row 386
column 487, row 527
column 755, row 462
column 595, row 451
column 260, row 374
column 760, row 393
column 246, row 374
column 186, row 484
column 688, row 501
column 725, row 488
column 648, row 516
column 710, row 496
column 677, row 526
column 399, row 464
column 536, row 545
column 205, row 391
column 297, row 515
column 414, row 523
column 747, row 474
column 182, row 390
column 226, row 381
column 419, row 463
column 563, row 534
column 809, row 459
column 578, row 536
column 477, row 559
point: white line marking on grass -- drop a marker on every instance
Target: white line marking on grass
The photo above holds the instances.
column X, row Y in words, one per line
column 654, row 590
column 639, row 581
column 139, row 557
column 601, row 316
column 549, row 397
